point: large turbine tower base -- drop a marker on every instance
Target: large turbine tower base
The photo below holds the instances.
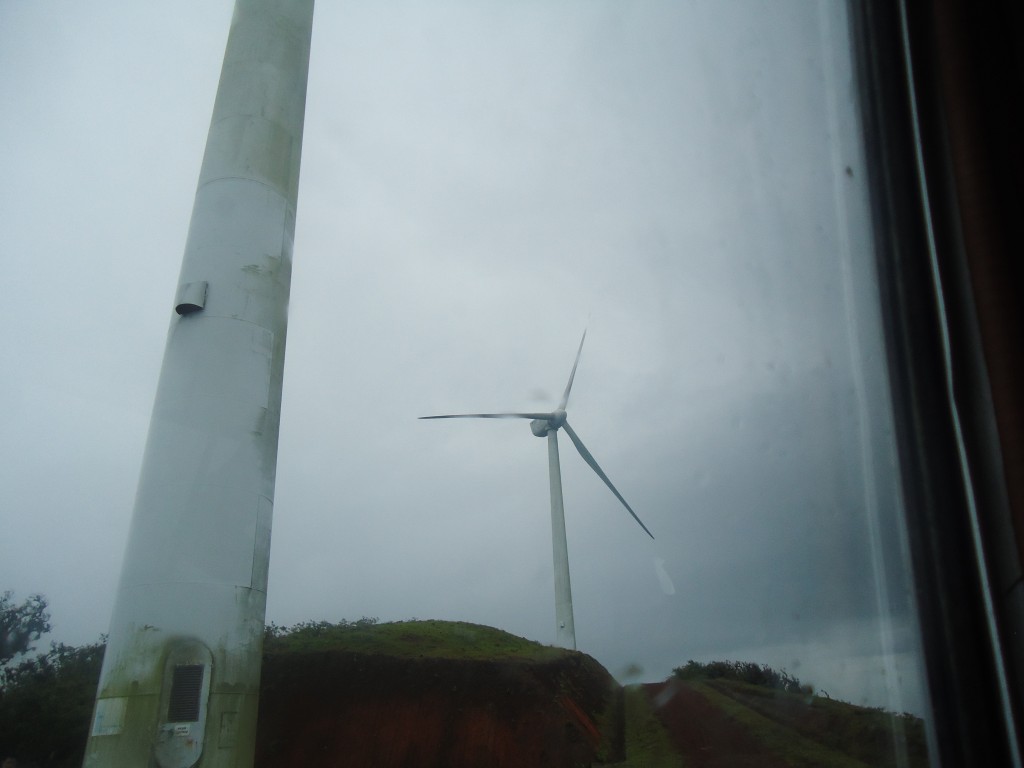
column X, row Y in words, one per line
column 565, row 627
column 179, row 686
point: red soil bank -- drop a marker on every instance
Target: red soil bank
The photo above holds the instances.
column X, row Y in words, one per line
column 705, row 735
column 334, row 708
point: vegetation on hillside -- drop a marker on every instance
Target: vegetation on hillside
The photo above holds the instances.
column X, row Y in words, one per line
column 743, row 672
column 647, row 739
column 801, row 728
column 415, row 638
column 21, row 624
column 46, row 700
column 871, row 735
column 46, row 704
column 432, row 693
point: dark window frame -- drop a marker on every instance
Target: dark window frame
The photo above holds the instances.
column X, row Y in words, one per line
column 946, row 205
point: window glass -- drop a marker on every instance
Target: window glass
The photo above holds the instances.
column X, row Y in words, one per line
column 687, row 182
column 480, row 183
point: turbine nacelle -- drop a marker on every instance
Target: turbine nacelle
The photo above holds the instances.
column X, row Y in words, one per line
column 541, row 427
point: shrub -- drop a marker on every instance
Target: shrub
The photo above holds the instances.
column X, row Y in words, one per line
column 46, row 704
column 742, row 671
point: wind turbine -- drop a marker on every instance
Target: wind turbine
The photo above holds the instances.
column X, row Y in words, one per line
column 547, row 425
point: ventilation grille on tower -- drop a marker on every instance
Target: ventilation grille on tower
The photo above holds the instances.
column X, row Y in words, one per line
column 186, row 689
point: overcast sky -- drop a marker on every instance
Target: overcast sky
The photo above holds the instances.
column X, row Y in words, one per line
column 480, row 182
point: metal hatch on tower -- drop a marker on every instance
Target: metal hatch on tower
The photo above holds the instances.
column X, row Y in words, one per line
column 183, row 705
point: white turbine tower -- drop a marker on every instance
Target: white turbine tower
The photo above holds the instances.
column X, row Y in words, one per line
column 181, row 674
column 547, row 425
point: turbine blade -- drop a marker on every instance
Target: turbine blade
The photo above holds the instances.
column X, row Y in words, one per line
column 589, row 458
column 492, row 416
column 568, row 387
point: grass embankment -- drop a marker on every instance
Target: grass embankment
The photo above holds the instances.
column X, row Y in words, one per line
column 647, row 741
column 465, row 691
column 431, row 693
column 805, row 730
column 721, row 723
column 409, row 639
column 778, row 737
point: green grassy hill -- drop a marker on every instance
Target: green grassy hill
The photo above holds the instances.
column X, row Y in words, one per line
column 712, row 723
column 431, row 693
column 439, row 693
column 408, row 639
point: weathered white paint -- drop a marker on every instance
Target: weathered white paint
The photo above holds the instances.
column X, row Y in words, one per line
column 194, row 579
